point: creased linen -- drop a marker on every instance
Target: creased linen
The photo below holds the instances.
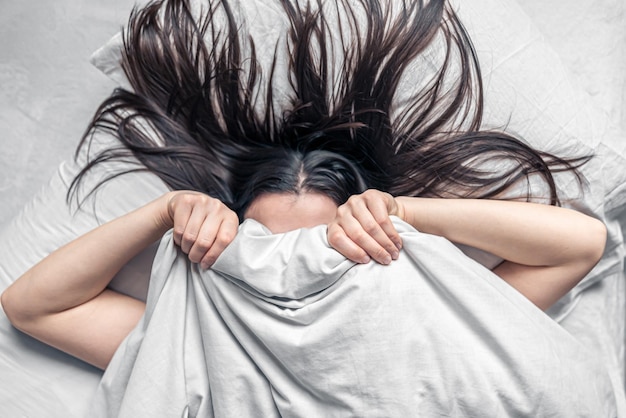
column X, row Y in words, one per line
column 283, row 325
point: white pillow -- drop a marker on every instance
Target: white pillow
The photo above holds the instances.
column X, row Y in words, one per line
column 49, row 220
column 527, row 91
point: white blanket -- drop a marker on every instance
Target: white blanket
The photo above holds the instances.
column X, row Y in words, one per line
column 283, row 325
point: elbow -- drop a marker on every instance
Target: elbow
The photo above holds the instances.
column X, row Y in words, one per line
column 600, row 234
column 594, row 243
column 7, row 306
column 14, row 311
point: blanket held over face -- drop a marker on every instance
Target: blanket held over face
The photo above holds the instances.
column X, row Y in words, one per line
column 283, row 325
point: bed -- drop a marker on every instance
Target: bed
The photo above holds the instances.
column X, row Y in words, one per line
column 554, row 73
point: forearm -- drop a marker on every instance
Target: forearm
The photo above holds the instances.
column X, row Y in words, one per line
column 524, row 233
column 80, row 270
column 63, row 300
column 547, row 250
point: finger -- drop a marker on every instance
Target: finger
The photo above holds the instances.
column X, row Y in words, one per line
column 181, row 214
column 192, row 228
column 225, row 234
column 380, row 212
column 367, row 218
column 205, row 239
column 355, row 232
column 338, row 239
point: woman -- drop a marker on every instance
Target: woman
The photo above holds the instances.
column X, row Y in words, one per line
column 194, row 120
column 64, row 302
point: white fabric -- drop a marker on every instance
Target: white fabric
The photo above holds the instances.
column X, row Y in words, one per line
column 528, row 90
column 284, row 326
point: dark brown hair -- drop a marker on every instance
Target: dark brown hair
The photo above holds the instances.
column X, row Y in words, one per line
column 201, row 108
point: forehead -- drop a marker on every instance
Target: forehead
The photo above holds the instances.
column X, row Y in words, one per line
column 282, row 212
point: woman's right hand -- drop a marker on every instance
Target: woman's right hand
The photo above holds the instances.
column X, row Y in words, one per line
column 203, row 225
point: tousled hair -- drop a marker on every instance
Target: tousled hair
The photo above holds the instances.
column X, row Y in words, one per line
column 194, row 117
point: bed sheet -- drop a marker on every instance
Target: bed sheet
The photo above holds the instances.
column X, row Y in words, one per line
column 48, row 92
column 255, row 336
column 589, row 37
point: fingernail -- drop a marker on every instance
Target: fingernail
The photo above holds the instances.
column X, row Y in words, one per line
column 205, row 266
column 394, row 255
column 399, row 245
column 365, row 260
column 386, row 259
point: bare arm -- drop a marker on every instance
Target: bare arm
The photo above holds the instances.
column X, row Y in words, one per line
column 547, row 249
column 63, row 300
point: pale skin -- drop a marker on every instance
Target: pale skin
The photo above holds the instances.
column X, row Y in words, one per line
column 65, row 303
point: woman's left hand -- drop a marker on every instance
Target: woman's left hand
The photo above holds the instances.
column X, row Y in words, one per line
column 362, row 229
